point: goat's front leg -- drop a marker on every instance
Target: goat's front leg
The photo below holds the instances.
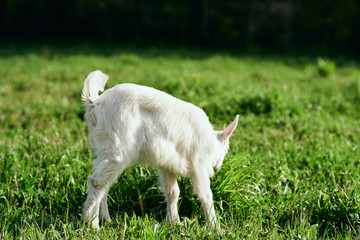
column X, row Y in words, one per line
column 171, row 190
column 201, row 184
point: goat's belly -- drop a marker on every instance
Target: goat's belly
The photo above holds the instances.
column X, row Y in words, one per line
column 164, row 155
column 175, row 165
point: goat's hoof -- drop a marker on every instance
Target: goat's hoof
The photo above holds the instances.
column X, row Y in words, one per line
column 220, row 231
column 93, row 226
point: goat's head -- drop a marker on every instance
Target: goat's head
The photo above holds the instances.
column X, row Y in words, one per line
column 223, row 137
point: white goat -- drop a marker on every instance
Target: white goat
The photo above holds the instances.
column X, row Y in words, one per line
column 132, row 124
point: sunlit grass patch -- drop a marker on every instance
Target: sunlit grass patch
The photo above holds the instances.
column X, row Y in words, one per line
column 291, row 172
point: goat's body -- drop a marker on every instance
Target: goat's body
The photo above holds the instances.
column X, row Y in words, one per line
column 148, row 115
column 131, row 124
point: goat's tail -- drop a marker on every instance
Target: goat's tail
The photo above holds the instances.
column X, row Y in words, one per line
column 94, row 83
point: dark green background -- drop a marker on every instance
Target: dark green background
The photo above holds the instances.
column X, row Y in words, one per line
column 280, row 25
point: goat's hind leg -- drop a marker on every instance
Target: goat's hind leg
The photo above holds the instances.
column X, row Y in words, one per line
column 104, row 211
column 106, row 172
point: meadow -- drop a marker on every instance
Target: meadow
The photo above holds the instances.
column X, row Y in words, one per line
column 292, row 170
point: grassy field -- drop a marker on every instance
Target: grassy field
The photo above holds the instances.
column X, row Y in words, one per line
column 292, row 171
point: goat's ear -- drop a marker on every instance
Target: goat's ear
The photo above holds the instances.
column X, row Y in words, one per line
column 226, row 133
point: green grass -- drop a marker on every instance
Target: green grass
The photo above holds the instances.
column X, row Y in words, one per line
column 292, row 170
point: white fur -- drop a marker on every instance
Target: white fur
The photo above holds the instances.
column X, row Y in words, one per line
column 131, row 124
